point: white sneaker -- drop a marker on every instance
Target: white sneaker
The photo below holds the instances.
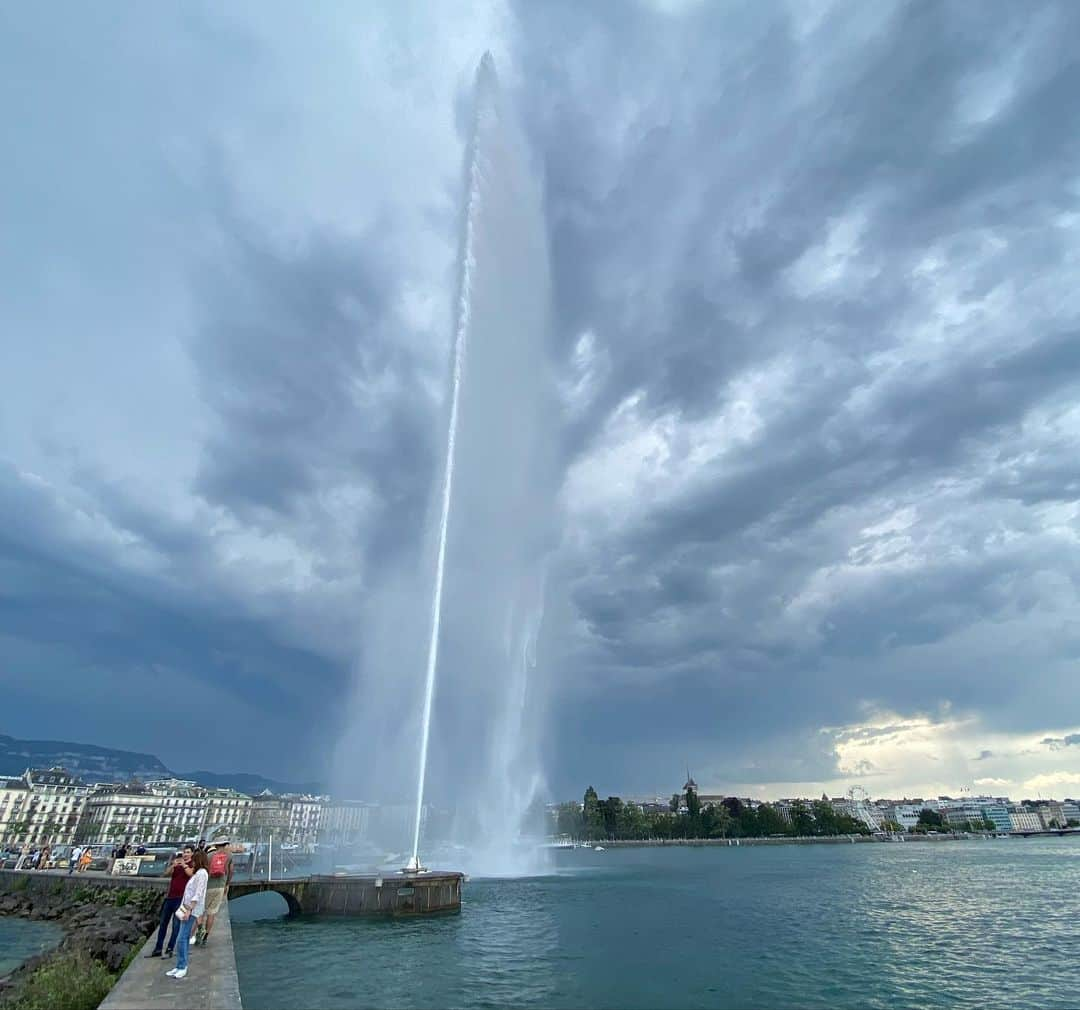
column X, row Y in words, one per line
column 191, row 942
column 180, row 973
column 172, row 972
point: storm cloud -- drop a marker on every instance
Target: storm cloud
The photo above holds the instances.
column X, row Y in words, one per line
column 818, row 337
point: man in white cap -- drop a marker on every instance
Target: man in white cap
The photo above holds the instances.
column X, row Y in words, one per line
column 217, row 888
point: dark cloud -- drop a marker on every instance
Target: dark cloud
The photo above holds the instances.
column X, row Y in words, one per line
column 1059, row 742
column 814, row 277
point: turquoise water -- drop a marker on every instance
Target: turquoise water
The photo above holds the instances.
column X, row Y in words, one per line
column 23, row 938
column 931, row 925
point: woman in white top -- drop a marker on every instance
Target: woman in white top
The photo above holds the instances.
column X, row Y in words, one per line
column 191, row 907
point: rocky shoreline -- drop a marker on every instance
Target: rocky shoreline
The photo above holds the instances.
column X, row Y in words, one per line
column 101, row 924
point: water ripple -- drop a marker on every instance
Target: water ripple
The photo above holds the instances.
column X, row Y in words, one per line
column 931, row 925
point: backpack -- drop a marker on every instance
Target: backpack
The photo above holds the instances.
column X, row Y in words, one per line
column 219, row 863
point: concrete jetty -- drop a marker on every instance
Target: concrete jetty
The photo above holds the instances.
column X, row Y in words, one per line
column 393, row 894
column 211, row 983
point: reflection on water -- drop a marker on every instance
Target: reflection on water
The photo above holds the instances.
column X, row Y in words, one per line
column 929, row 925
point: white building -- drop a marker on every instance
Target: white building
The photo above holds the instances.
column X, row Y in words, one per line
column 14, row 811
column 344, row 822
column 291, row 817
column 227, row 813
column 1052, row 814
column 44, row 805
column 166, row 810
column 305, row 817
column 907, row 814
column 1024, row 819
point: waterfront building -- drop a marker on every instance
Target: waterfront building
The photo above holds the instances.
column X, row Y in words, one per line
column 43, row 806
column 228, row 812
column 294, row 818
column 269, row 816
column 305, row 817
column 1071, row 810
column 998, row 814
column 963, row 815
column 162, row 810
column 1051, row 813
column 344, row 822
column 1023, row 819
column 14, row 804
column 906, row 813
column 58, row 798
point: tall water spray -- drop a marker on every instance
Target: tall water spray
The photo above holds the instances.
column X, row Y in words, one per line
column 461, row 331
column 473, row 697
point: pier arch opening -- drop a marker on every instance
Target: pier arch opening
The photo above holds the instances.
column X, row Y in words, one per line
column 262, row 905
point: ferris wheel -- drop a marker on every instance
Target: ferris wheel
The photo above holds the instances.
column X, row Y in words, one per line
column 858, row 797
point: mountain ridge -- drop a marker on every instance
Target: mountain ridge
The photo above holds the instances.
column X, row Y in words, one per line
column 94, row 763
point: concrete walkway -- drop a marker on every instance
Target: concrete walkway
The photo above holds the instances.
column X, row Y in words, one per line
column 211, row 982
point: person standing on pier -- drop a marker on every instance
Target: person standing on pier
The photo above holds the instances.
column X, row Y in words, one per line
column 76, row 855
column 179, row 871
column 217, row 890
column 192, row 905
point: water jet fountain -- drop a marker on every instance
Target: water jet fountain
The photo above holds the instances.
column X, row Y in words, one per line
column 492, row 528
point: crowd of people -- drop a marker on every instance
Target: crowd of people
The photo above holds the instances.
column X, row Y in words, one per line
column 79, row 858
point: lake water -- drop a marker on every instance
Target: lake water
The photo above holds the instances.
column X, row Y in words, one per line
column 931, row 925
column 23, row 938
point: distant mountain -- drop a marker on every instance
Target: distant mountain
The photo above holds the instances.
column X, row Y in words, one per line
column 90, row 762
column 106, row 764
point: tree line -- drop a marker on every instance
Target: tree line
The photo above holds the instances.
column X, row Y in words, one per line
column 612, row 819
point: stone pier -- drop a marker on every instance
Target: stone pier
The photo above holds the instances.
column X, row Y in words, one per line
column 393, row 894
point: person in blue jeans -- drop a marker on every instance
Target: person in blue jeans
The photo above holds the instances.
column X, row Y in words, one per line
column 192, row 906
column 180, row 871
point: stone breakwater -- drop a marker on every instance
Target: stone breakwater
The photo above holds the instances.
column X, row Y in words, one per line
column 101, row 918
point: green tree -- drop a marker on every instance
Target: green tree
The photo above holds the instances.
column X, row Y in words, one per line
column 631, row 822
column 610, row 812
column 693, row 805
column 747, row 823
column 802, row 821
column 592, row 816
column 825, row 819
column 769, row 822
column 569, row 820
column 930, row 818
column 675, row 802
column 718, row 822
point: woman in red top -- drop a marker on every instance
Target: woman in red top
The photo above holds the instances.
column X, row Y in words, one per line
column 179, row 870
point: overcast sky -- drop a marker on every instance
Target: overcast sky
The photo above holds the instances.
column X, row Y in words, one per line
column 817, row 328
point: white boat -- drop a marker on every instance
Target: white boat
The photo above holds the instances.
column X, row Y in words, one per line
column 599, row 848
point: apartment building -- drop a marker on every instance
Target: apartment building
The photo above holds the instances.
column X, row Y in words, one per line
column 14, row 810
column 1023, row 819
column 43, row 805
column 344, row 822
column 228, row 813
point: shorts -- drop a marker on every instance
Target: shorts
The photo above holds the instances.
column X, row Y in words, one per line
column 214, row 896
